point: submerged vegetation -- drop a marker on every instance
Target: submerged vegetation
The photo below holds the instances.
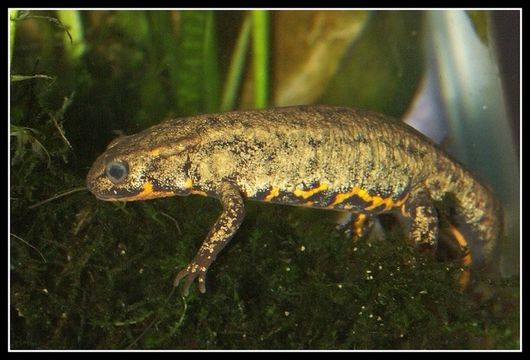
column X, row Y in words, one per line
column 87, row 274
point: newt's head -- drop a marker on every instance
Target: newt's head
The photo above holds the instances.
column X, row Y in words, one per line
column 144, row 166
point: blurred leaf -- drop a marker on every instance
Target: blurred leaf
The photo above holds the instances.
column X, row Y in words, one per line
column 157, row 87
column 237, row 64
column 72, row 20
column 195, row 78
column 27, row 15
column 12, row 27
column 16, row 78
column 210, row 65
column 134, row 23
column 260, row 56
column 384, row 67
column 306, row 59
column 479, row 20
column 47, row 35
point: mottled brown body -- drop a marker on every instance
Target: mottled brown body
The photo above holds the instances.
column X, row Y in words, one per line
column 316, row 156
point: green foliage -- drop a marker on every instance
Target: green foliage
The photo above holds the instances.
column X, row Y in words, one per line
column 12, row 29
column 71, row 19
column 87, row 274
column 16, row 78
column 235, row 70
column 260, row 46
column 198, row 73
column 282, row 283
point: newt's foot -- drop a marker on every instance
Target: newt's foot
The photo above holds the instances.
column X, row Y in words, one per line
column 463, row 280
column 192, row 272
column 426, row 248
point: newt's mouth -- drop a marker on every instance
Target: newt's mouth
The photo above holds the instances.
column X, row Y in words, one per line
column 148, row 191
column 114, row 197
column 111, row 195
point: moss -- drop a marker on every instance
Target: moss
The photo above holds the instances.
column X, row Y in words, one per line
column 276, row 286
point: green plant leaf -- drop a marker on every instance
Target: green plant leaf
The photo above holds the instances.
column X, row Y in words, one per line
column 17, row 78
column 237, row 64
column 196, row 78
column 75, row 48
column 260, row 56
column 12, row 27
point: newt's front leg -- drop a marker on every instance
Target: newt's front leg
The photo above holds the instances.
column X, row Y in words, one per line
column 219, row 236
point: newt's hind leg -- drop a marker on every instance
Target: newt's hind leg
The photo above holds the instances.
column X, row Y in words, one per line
column 357, row 225
column 465, row 257
column 424, row 227
column 361, row 225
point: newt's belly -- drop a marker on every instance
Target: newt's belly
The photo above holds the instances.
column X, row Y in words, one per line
column 320, row 195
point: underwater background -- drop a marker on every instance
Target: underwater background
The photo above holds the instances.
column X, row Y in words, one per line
column 87, row 274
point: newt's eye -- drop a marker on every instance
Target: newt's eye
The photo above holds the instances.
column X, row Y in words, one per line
column 117, row 171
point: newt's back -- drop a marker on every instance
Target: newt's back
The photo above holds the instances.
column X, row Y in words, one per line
column 306, row 146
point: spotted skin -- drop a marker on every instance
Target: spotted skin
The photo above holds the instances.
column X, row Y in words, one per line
column 424, row 227
column 324, row 157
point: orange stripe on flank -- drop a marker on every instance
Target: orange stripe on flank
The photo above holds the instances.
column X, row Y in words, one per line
column 365, row 196
column 341, row 197
column 274, row 192
column 308, row 193
column 377, row 200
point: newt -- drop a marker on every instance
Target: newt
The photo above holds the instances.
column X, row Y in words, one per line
column 334, row 158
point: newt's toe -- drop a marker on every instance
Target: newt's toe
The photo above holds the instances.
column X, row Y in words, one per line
column 191, row 276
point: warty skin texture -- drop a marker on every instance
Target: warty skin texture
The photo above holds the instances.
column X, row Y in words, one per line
column 315, row 156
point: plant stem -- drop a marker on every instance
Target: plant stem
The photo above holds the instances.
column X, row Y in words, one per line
column 237, row 63
column 260, row 37
column 12, row 26
column 72, row 20
column 210, row 64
